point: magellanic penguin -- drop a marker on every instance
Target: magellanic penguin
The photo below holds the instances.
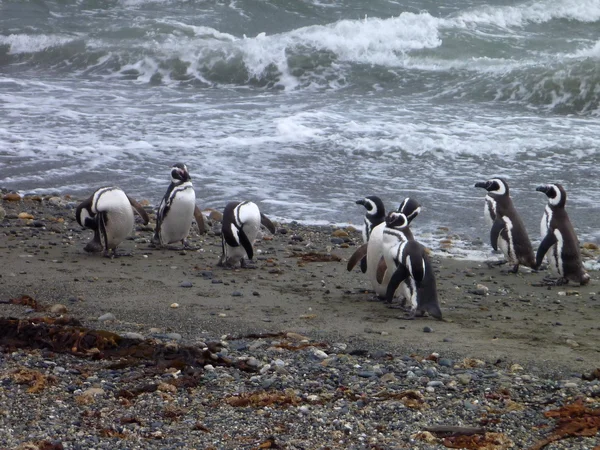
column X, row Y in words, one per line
column 408, row 261
column 241, row 222
column 559, row 240
column 177, row 209
column 377, row 272
column 109, row 213
column 374, row 216
column 508, row 231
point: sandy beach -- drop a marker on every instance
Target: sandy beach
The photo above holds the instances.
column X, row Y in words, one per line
column 546, row 328
column 299, row 285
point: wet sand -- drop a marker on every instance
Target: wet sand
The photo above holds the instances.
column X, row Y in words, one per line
column 554, row 330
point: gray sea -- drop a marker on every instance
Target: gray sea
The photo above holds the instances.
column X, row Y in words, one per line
column 305, row 106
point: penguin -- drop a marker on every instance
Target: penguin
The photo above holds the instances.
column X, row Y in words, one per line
column 410, row 267
column 109, row 213
column 241, row 222
column 377, row 271
column 508, row 231
column 559, row 240
column 374, row 216
column 177, row 209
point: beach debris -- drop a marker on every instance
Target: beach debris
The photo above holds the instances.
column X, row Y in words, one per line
column 40, row 445
column 174, row 305
column 316, row 257
column 36, row 380
column 487, row 441
column 595, row 375
column 261, row 399
column 25, row 300
column 574, row 419
column 67, row 335
column 449, row 430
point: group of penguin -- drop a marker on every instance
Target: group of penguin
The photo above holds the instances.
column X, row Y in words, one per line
column 396, row 264
column 109, row 213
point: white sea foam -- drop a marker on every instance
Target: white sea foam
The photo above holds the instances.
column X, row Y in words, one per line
column 26, row 43
column 531, row 12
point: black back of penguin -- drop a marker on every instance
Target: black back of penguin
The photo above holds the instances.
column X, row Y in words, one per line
column 559, row 239
column 507, row 224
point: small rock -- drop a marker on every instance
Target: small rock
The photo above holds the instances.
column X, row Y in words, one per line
column 93, row 391
column 186, row 284
column 132, row 335
column 58, row 309
column 2, row 213
column 340, row 234
column 320, row 354
column 12, row 197
column 572, row 343
column 464, row 378
column 427, row 330
column 237, row 294
column 174, row 305
column 25, row 216
column 106, row 317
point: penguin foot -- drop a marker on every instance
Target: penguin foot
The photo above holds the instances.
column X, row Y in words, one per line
column 93, row 247
column 514, row 270
column 550, row 281
column 492, row 264
column 247, row 264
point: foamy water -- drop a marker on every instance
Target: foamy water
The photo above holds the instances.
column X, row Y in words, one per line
column 307, row 106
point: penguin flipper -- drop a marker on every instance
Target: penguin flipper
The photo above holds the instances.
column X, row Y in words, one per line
column 358, row 255
column 265, row 221
column 245, row 242
column 427, row 296
column 381, row 269
column 398, row 277
column 363, row 265
column 548, row 241
column 95, row 245
column 199, row 220
column 139, row 209
column 497, row 228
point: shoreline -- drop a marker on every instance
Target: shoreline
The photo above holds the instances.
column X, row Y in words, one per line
column 298, row 336
column 512, row 319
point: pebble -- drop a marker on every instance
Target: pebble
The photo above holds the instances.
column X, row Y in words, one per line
column 58, row 309
column 132, row 335
column 186, row 284
column 427, row 330
column 106, row 317
column 174, row 305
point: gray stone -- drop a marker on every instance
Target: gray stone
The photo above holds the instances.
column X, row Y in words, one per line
column 106, row 317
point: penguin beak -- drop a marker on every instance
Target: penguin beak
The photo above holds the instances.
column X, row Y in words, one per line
column 360, row 202
column 482, row 184
column 543, row 189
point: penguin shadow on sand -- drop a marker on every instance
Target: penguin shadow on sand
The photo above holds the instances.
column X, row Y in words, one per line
column 559, row 245
column 109, row 213
column 239, row 230
column 395, row 263
column 176, row 212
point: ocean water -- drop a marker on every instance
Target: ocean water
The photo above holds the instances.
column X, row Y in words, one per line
column 307, row 105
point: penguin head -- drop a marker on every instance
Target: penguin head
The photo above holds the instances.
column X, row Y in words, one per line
column 557, row 196
column 179, row 173
column 396, row 220
column 410, row 208
column 374, row 206
column 497, row 186
column 85, row 217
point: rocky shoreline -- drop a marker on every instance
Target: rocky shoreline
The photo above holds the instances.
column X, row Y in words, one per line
column 293, row 354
